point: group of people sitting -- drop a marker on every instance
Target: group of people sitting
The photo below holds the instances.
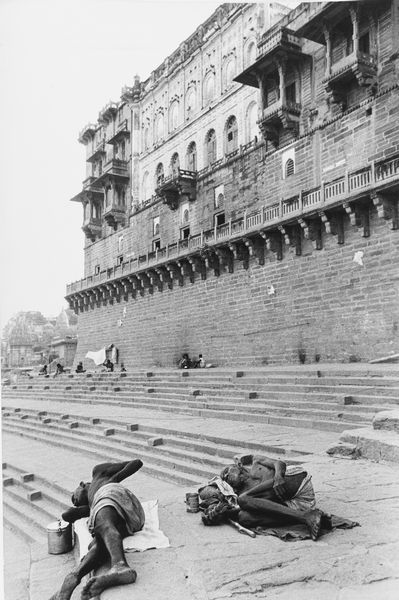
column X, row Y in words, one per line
column 187, row 363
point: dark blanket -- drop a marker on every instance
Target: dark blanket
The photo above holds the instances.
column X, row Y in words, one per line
column 293, row 533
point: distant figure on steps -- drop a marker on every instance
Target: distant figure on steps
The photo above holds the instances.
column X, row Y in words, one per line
column 109, row 365
column 79, row 368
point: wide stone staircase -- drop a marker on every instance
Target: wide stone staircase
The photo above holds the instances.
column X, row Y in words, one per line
column 181, row 457
column 324, row 398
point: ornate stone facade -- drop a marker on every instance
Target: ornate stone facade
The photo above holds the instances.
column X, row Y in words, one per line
column 256, row 149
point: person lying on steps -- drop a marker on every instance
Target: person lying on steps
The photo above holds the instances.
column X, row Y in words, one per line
column 270, row 494
column 114, row 513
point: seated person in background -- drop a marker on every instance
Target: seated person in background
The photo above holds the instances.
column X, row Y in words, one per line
column 123, row 370
column 59, row 369
column 200, row 363
column 270, row 494
column 185, row 362
column 109, row 365
column 43, row 370
column 79, row 368
column 114, row 513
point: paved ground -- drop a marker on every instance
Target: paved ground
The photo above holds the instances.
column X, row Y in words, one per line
column 216, row 563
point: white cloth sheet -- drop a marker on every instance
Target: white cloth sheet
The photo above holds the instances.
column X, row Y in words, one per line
column 98, row 357
column 149, row 537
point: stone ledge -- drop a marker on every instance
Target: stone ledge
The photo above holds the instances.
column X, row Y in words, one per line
column 374, row 444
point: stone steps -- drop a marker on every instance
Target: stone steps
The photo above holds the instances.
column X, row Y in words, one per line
column 222, row 447
column 180, row 458
column 306, row 418
column 161, row 467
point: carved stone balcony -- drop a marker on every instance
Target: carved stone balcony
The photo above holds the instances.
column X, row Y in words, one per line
column 279, row 115
column 91, row 184
column 114, row 213
column 106, row 115
column 278, row 45
column 87, row 133
column 357, row 65
column 115, row 169
column 97, row 152
column 92, row 228
column 180, row 184
column 121, row 131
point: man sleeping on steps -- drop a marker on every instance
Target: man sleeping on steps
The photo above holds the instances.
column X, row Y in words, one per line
column 114, row 513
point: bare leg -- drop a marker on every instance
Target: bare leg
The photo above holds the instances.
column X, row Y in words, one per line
column 95, row 557
column 111, row 529
column 267, row 509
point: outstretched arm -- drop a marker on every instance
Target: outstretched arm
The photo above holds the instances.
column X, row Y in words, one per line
column 117, row 472
column 76, row 512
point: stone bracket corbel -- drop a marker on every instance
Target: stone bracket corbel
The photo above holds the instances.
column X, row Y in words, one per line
column 212, row 262
column 197, row 266
column 274, row 243
column 359, row 217
column 155, row 280
column 387, row 208
column 175, row 273
column 334, row 225
column 256, row 248
column 145, row 282
column 226, row 258
column 165, row 277
column 186, row 270
column 312, row 232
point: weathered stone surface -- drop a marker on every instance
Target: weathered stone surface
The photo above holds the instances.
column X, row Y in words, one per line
column 344, row 450
column 387, row 420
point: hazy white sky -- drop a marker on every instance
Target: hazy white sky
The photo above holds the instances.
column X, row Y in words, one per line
column 61, row 61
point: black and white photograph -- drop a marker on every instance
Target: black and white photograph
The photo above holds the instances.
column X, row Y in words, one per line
column 200, row 300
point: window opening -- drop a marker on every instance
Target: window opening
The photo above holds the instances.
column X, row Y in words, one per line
column 156, row 245
column 289, row 167
column 219, row 219
column 185, row 233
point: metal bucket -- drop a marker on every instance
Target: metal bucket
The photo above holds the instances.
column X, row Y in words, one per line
column 59, row 537
column 192, row 502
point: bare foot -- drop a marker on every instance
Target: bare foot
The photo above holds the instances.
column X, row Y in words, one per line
column 120, row 574
column 313, row 521
column 71, row 581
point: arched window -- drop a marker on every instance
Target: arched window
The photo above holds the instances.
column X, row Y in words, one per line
column 210, row 147
column 146, row 193
column 209, row 88
column 229, row 73
column 159, row 175
column 191, row 157
column 231, row 135
column 289, row 167
column 252, row 131
column 190, row 102
column 174, row 116
column 159, row 127
column 250, row 54
column 175, row 164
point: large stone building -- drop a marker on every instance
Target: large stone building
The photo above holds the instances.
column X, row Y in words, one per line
column 242, row 201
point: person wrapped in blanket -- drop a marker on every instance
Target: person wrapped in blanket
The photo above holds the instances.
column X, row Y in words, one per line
column 262, row 492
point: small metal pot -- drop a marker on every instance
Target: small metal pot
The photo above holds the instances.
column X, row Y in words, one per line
column 59, row 537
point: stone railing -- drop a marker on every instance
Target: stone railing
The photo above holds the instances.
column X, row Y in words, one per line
column 328, row 195
column 348, row 62
column 274, row 39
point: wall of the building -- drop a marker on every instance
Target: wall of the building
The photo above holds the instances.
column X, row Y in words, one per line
column 324, row 303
